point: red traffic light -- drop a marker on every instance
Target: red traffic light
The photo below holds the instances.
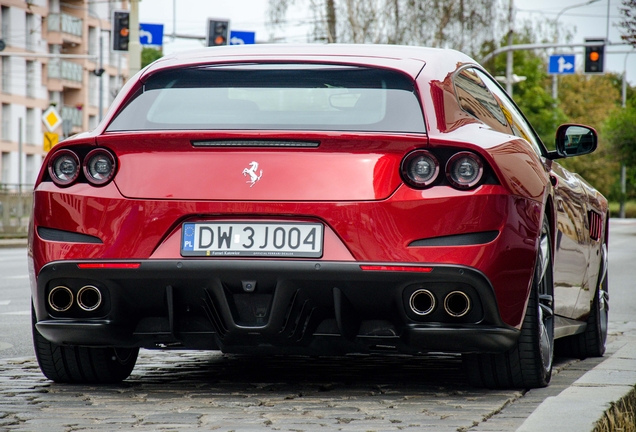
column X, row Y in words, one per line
column 218, row 32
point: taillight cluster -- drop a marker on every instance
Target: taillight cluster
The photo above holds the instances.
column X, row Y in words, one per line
column 99, row 167
column 463, row 170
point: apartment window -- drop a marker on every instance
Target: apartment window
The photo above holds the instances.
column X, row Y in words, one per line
column 6, row 74
column 30, row 79
column 55, row 98
column 92, row 122
column 93, row 91
column 30, row 169
column 93, row 47
column 6, row 29
column 6, row 122
column 6, row 167
column 30, row 126
column 30, row 32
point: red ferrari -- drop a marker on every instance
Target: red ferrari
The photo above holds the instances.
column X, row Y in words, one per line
column 317, row 199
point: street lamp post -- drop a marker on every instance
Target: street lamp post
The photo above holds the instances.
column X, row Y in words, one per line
column 555, row 78
column 621, row 212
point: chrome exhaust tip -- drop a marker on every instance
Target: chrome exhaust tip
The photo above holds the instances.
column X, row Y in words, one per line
column 89, row 298
column 60, row 298
column 457, row 304
column 422, row 302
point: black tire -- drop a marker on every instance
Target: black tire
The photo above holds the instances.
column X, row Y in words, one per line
column 591, row 343
column 75, row 364
column 529, row 363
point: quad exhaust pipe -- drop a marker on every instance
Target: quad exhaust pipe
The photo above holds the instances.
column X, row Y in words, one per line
column 422, row 302
column 61, row 298
column 456, row 303
column 89, row 298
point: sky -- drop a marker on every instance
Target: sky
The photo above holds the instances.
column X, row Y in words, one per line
column 589, row 21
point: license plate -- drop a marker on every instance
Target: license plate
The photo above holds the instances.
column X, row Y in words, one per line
column 259, row 239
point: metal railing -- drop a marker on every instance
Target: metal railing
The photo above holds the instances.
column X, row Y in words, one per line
column 15, row 209
column 61, row 69
column 65, row 23
column 73, row 114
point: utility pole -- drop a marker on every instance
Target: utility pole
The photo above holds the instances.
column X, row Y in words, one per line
column 510, row 52
column 134, row 47
column 621, row 211
column 19, row 173
column 100, row 68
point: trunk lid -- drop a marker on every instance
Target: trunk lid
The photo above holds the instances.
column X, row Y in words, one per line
column 259, row 167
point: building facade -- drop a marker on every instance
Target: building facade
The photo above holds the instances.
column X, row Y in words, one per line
column 52, row 57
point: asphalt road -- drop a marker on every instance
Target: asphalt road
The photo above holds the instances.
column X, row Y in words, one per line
column 182, row 390
column 15, row 301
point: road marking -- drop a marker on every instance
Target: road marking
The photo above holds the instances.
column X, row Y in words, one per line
column 5, row 302
column 18, row 277
column 17, row 313
column 4, row 346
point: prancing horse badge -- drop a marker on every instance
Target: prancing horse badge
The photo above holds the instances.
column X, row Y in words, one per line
column 251, row 171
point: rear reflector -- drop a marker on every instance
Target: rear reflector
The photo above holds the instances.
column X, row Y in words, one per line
column 110, row 265
column 396, row 268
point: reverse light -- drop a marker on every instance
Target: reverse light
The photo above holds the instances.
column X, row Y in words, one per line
column 464, row 170
column 420, row 169
column 64, row 168
column 99, row 167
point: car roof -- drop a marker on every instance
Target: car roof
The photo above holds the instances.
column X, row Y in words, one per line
column 408, row 59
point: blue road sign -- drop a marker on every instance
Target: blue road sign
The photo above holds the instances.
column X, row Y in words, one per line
column 242, row 37
column 561, row 64
column 151, row 34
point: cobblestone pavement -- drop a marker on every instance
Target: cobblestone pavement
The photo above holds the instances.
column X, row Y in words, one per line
column 185, row 390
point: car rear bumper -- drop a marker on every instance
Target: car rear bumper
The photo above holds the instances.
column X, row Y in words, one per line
column 292, row 306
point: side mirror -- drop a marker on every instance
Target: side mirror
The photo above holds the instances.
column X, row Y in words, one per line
column 575, row 140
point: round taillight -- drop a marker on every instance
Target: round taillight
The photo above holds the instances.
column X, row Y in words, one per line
column 99, row 167
column 464, row 170
column 64, row 167
column 420, row 169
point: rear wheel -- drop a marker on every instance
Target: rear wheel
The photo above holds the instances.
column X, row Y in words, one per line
column 529, row 363
column 591, row 343
column 75, row 364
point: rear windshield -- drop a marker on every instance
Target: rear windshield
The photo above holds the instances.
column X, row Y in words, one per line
column 275, row 97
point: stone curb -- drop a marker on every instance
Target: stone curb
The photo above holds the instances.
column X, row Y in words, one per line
column 579, row 407
column 13, row 243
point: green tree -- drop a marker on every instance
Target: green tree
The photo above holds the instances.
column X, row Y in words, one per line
column 148, row 55
column 589, row 99
column 620, row 133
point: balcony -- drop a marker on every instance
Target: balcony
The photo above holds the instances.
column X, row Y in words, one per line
column 73, row 114
column 60, row 69
column 65, row 24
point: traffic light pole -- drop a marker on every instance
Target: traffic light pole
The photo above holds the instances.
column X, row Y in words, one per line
column 526, row 47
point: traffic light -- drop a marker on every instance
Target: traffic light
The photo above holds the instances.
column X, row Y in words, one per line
column 121, row 30
column 218, row 31
column 594, row 57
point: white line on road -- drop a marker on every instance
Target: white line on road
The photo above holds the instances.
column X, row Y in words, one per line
column 5, row 302
column 17, row 313
column 17, row 277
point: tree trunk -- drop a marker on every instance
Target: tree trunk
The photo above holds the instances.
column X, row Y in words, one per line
column 331, row 21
